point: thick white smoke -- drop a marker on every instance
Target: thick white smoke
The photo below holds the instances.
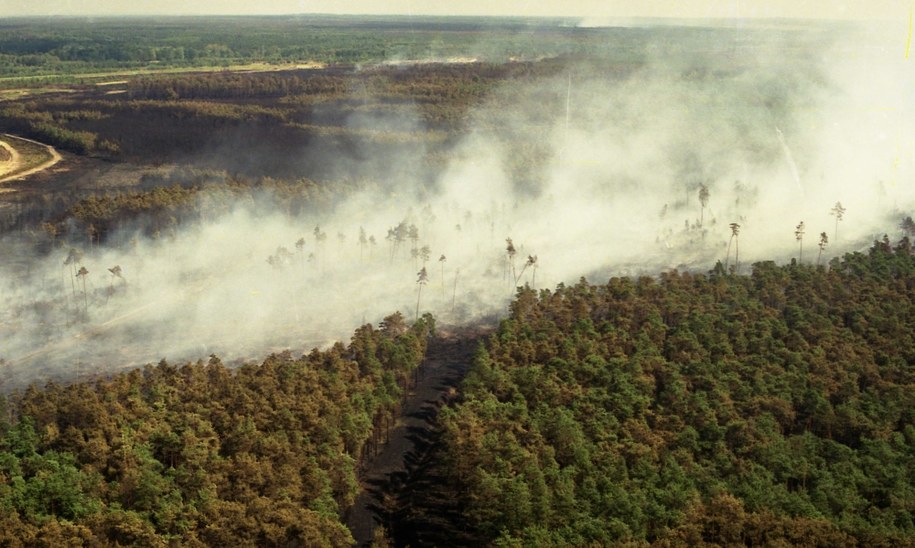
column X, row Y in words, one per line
column 776, row 135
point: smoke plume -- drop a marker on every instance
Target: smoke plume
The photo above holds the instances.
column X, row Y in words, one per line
column 596, row 172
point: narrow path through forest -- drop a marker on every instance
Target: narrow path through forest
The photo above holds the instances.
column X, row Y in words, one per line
column 448, row 358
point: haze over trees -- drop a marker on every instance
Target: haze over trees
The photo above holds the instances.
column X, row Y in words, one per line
column 763, row 405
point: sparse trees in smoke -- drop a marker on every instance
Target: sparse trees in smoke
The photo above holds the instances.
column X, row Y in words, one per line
column 81, row 274
column 281, row 258
column 799, row 236
column 441, row 262
column 735, row 237
column 363, row 241
column 838, row 212
column 341, row 239
column 421, row 280
column 397, row 236
column 320, row 238
column 824, row 241
column 510, row 253
column 703, row 202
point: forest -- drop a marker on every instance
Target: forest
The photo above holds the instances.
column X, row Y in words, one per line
column 774, row 408
column 199, row 454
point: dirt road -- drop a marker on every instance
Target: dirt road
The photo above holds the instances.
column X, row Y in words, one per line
column 15, row 161
column 11, row 164
column 447, row 360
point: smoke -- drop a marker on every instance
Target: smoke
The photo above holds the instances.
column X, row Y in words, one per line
column 596, row 172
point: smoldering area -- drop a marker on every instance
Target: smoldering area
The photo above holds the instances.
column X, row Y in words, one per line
column 777, row 130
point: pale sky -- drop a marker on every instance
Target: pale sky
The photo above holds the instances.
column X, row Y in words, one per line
column 816, row 9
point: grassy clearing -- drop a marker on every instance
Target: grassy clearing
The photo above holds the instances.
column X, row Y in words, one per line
column 20, row 93
column 19, row 86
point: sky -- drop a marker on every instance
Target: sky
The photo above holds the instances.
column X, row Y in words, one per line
column 814, row 9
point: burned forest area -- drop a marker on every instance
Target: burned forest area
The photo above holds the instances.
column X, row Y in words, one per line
column 455, row 281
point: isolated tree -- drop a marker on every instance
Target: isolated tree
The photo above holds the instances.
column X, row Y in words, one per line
column 532, row 264
column 115, row 273
column 413, row 234
column 300, row 249
column 457, row 272
column 372, row 244
column 838, row 212
column 735, row 233
column 703, row 202
column 320, row 238
column 510, row 253
column 908, row 227
column 74, row 257
column 421, row 280
column 824, row 240
column 320, row 235
column 799, row 236
column 425, row 254
column 52, row 230
column 391, row 240
column 441, row 262
column 363, row 241
column 397, row 236
column 81, row 274
column 92, row 234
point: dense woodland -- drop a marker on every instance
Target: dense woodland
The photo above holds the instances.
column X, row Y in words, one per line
column 200, row 454
column 764, row 409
